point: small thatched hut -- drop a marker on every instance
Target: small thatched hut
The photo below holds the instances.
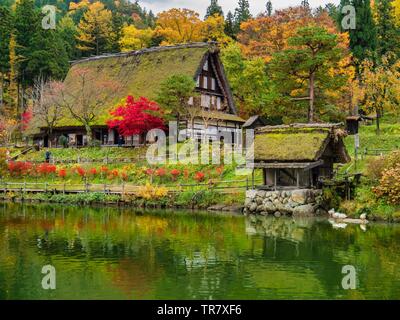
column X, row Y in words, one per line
column 298, row 155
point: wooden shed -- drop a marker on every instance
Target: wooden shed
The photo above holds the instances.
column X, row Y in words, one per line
column 298, row 155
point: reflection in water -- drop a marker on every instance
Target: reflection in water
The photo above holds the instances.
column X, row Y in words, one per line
column 116, row 253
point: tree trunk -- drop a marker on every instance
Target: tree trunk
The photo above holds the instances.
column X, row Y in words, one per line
column 378, row 124
column 1, row 92
column 312, row 98
column 178, row 119
column 88, row 134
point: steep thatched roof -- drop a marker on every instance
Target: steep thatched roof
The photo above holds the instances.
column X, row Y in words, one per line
column 140, row 73
column 299, row 143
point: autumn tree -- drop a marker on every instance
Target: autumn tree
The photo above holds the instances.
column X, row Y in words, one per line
column 396, row 7
column 213, row 29
column 135, row 39
column 381, row 85
column 86, row 100
column 95, row 29
column 136, row 117
column 179, row 26
column 47, row 108
column 264, row 35
column 308, row 64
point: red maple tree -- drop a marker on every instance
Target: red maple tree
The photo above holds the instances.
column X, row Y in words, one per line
column 136, row 117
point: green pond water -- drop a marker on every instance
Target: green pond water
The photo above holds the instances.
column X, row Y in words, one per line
column 111, row 253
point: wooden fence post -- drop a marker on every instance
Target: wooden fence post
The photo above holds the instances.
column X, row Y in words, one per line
column 45, row 187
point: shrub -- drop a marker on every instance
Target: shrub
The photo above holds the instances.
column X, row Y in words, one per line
column 3, row 162
column 175, row 173
column 389, row 185
column 161, row 172
column 124, row 176
column 46, row 169
column 199, row 176
column 150, row 192
column 62, row 173
column 375, row 168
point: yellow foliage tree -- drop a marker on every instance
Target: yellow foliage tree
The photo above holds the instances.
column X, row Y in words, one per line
column 214, row 30
column 381, row 87
column 396, row 6
column 95, row 29
column 135, row 39
column 82, row 4
column 179, row 26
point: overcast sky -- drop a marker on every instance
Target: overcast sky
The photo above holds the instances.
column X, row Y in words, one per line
column 256, row 6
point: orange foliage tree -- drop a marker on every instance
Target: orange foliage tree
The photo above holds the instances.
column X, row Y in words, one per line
column 265, row 35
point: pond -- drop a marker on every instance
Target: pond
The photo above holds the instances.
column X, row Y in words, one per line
column 125, row 253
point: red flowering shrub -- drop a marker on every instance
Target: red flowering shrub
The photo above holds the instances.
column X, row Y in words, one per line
column 103, row 169
column 62, row 173
column 18, row 169
column 175, row 173
column 199, row 176
column 161, row 172
column 93, row 171
column 149, row 172
column 113, row 174
column 80, row 171
column 45, row 169
column 124, row 176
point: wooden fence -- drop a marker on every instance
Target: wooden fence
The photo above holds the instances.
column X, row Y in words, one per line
column 227, row 187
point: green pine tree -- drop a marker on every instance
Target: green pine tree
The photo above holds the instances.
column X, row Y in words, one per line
column 269, row 8
column 363, row 38
column 388, row 34
column 230, row 25
column 214, row 9
column 5, row 35
column 242, row 14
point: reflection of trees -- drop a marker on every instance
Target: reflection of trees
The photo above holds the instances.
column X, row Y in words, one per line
column 113, row 252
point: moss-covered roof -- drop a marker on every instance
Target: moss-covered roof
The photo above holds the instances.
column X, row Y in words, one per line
column 218, row 115
column 144, row 70
column 296, row 144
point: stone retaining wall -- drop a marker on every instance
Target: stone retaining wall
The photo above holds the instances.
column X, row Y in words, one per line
column 300, row 202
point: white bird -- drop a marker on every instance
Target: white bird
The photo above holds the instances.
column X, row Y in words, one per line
column 363, row 216
column 340, row 216
column 331, row 212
